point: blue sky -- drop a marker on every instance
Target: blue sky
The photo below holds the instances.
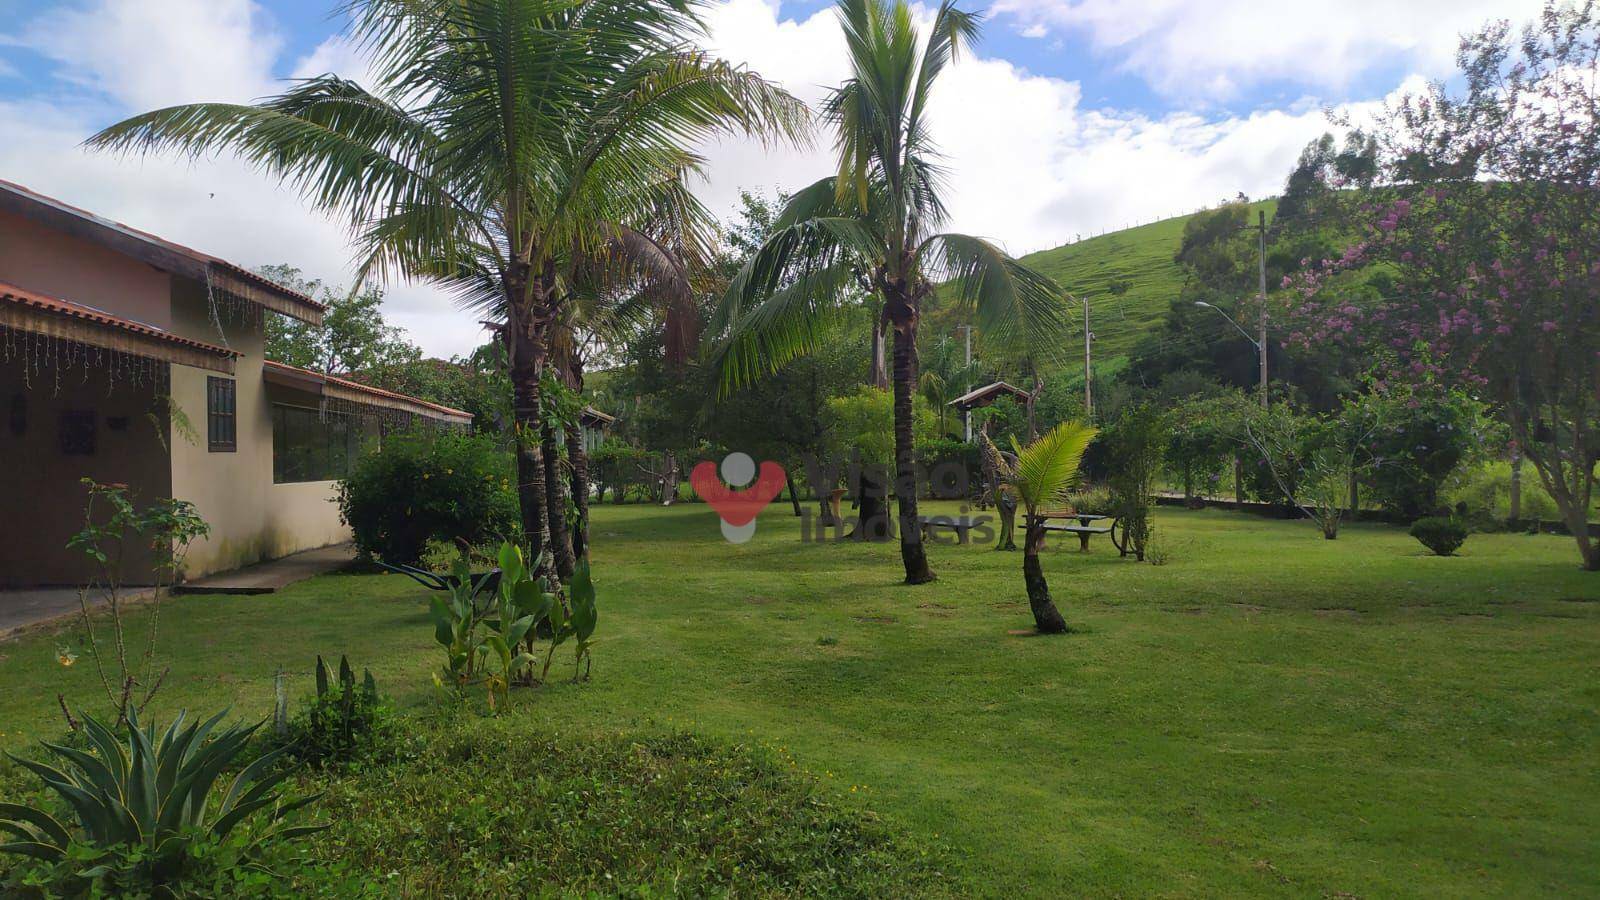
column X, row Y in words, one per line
column 1068, row 54
column 1072, row 118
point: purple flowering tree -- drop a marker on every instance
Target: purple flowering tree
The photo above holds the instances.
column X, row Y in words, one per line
column 1475, row 258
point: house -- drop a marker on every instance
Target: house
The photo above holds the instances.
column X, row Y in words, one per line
column 129, row 359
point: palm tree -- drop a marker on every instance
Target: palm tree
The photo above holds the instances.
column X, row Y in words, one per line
column 877, row 220
column 1044, row 472
column 947, row 376
column 503, row 142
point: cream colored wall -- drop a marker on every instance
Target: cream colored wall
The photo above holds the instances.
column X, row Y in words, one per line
column 54, row 263
column 229, row 490
column 302, row 516
column 41, row 499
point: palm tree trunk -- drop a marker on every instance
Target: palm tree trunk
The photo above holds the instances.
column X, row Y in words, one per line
column 872, row 505
column 878, row 375
column 1008, row 521
column 912, row 551
column 526, row 351
column 556, row 502
column 1045, row 615
column 578, row 459
column 794, row 496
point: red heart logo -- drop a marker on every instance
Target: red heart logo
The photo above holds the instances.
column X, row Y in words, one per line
column 737, row 507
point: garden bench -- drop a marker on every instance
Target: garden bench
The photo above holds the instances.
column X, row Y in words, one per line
column 1084, row 529
column 961, row 525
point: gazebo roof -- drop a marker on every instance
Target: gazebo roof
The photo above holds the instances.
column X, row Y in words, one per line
column 988, row 394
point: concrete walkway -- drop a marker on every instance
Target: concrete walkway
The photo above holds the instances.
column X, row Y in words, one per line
column 33, row 606
column 267, row 577
column 23, row 609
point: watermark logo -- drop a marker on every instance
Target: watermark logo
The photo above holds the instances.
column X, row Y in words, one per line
column 737, row 507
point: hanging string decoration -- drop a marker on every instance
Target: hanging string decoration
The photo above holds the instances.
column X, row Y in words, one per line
column 47, row 361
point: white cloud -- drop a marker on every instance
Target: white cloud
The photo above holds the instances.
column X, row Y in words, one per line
column 146, row 55
column 1213, row 49
column 1029, row 165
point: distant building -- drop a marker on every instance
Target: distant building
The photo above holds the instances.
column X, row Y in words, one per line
column 988, row 394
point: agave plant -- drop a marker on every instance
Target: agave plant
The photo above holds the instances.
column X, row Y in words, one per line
column 154, row 794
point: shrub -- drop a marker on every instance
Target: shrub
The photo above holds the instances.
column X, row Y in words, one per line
column 1441, row 535
column 345, row 720
column 1486, row 491
column 950, row 468
column 161, row 534
column 145, row 818
column 1094, row 500
column 607, row 814
column 1415, row 441
column 1134, row 445
column 425, row 486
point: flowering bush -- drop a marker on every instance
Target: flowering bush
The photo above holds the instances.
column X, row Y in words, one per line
column 422, row 486
column 1475, row 262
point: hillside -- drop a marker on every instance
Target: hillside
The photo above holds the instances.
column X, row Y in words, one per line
column 1140, row 257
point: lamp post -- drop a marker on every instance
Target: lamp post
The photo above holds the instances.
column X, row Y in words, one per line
column 1260, row 345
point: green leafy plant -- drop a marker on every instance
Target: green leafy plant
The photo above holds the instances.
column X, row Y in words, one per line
column 585, row 615
column 523, row 602
column 490, row 636
column 341, row 720
column 424, row 486
column 118, row 536
column 456, row 615
column 1444, row 536
column 1135, row 445
column 140, row 807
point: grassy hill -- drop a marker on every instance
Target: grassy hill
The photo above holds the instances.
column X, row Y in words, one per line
column 1140, row 257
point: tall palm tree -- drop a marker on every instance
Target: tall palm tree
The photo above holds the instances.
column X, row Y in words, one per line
column 502, row 139
column 645, row 277
column 1043, row 472
column 878, row 218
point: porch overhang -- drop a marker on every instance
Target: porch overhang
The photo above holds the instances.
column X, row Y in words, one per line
column 336, row 388
column 33, row 313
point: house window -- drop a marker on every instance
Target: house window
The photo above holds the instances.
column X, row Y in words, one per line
column 310, row 445
column 77, row 432
column 222, row 414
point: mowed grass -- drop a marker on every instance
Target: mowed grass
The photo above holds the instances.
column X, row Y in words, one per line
column 1268, row 714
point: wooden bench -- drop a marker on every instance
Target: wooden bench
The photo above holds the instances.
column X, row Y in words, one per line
column 961, row 525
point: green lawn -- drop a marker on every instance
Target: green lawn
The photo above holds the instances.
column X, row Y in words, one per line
column 1270, row 713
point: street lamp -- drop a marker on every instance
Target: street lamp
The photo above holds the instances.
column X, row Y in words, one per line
column 1260, row 345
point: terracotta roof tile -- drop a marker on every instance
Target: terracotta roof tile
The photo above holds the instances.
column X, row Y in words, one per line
column 12, row 294
column 365, row 388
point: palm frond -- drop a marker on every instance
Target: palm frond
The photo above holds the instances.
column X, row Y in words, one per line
column 1047, row 469
column 790, row 323
column 1012, row 304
